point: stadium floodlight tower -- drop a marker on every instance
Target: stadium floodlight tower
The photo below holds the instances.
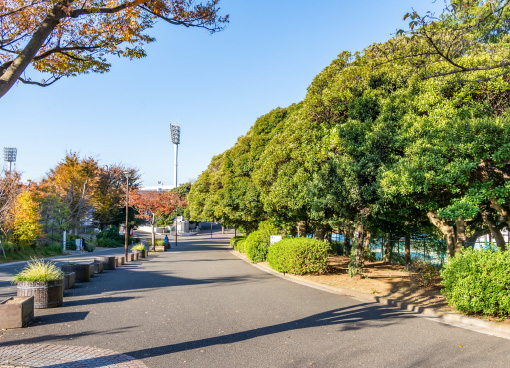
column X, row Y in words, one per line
column 175, row 130
column 10, row 155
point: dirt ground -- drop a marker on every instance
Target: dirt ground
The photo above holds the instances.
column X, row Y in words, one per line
column 389, row 281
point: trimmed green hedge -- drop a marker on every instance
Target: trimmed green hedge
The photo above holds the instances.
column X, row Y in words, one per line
column 234, row 240
column 257, row 243
column 478, row 282
column 299, row 256
column 240, row 245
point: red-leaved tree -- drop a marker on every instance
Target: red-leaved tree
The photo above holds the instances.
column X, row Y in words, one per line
column 152, row 205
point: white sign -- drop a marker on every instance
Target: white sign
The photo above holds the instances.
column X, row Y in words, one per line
column 274, row 239
column 356, row 234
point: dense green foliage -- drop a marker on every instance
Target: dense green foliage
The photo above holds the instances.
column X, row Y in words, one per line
column 478, row 282
column 234, row 240
column 299, row 256
column 257, row 243
column 110, row 238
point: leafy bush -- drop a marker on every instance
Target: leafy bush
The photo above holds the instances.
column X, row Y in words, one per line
column 160, row 242
column 110, row 238
column 89, row 246
column 54, row 248
column 240, row 245
column 39, row 270
column 478, row 282
column 138, row 247
column 234, row 240
column 257, row 243
column 109, row 243
column 299, row 256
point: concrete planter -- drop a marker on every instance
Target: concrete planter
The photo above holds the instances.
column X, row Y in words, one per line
column 83, row 272
column 91, row 269
column 68, row 268
column 130, row 257
column 69, row 280
column 136, row 254
column 108, row 262
column 47, row 294
column 16, row 312
column 98, row 267
column 160, row 248
column 120, row 260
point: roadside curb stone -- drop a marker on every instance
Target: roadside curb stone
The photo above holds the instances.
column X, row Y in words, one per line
column 451, row 318
column 63, row 356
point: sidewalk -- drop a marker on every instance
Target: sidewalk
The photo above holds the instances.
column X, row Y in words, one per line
column 450, row 318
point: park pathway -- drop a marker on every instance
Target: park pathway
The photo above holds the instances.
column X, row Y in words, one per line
column 199, row 305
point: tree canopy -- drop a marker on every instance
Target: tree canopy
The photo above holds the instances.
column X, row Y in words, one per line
column 63, row 38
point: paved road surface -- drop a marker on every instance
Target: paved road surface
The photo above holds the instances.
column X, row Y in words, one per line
column 200, row 306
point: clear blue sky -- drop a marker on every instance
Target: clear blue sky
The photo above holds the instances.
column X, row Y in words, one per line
column 214, row 87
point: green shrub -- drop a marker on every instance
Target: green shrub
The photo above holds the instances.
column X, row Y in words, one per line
column 240, row 245
column 160, row 242
column 236, row 239
column 39, row 270
column 478, row 282
column 89, row 246
column 110, row 238
column 257, row 243
column 54, row 248
column 109, row 243
column 299, row 256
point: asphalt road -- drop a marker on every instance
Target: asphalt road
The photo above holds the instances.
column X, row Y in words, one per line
column 198, row 305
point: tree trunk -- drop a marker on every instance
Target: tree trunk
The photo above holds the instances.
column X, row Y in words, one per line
column 501, row 210
column 347, row 244
column 460, row 226
column 360, row 252
column 388, row 249
column 222, row 230
column 153, row 235
column 470, row 240
column 495, row 232
column 10, row 75
column 407, row 249
column 319, row 234
column 446, row 229
column 301, row 229
column 368, row 238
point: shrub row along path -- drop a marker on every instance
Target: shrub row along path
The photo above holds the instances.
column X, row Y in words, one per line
column 200, row 306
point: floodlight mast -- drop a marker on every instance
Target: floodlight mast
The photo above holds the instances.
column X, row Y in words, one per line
column 10, row 156
column 175, row 131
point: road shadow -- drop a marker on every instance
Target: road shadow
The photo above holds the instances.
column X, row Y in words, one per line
column 347, row 319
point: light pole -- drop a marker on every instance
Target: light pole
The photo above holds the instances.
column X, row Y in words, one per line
column 175, row 131
column 127, row 174
column 10, row 155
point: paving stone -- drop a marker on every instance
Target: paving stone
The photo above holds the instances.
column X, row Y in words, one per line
column 63, row 356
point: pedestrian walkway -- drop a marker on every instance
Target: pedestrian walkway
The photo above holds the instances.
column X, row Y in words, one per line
column 63, row 356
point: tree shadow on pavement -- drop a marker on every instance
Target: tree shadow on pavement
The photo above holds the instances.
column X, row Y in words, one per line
column 348, row 319
column 104, row 299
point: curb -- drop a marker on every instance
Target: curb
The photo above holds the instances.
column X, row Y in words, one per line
column 450, row 318
column 61, row 256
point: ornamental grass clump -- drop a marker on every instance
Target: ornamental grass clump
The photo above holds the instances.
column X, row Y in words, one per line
column 478, row 282
column 139, row 247
column 39, row 270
